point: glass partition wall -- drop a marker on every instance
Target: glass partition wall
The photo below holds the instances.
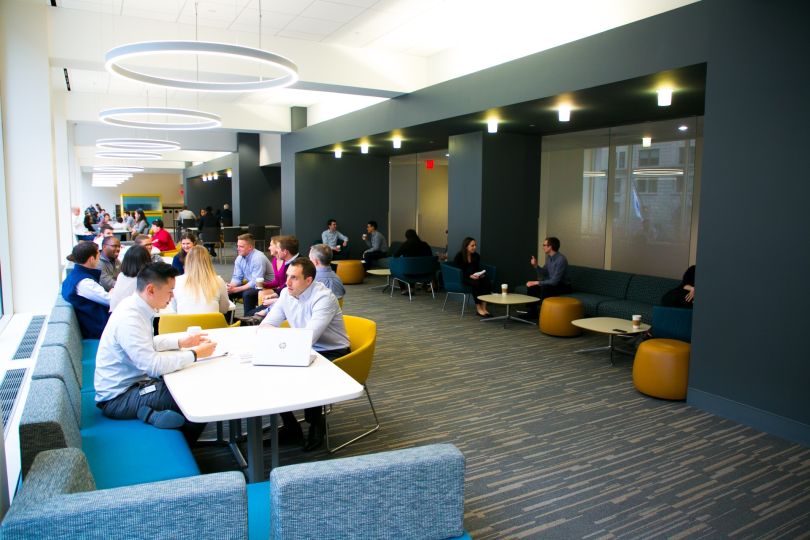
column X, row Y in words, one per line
column 418, row 196
column 624, row 198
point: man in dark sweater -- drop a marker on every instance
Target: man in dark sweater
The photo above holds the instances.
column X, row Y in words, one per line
column 552, row 280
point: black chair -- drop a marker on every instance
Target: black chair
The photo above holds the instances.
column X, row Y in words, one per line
column 182, row 226
column 230, row 236
column 210, row 238
column 259, row 234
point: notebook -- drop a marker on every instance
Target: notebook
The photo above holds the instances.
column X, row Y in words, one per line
column 282, row 347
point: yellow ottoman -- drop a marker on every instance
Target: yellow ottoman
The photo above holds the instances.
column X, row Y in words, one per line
column 350, row 271
column 556, row 314
column 661, row 368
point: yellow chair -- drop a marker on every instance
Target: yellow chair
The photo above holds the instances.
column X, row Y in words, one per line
column 350, row 271
column 556, row 315
column 170, row 253
column 174, row 322
column 661, row 368
column 363, row 338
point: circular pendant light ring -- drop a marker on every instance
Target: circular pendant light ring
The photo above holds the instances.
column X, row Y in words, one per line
column 149, row 145
column 202, row 120
column 149, row 48
column 117, row 169
column 120, row 154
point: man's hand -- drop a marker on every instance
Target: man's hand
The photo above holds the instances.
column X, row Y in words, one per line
column 191, row 341
column 269, row 299
column 204, row 349
column 532, row 283
column 533, row 261
column 233, row 288
column 345, row 243
column 474, row 276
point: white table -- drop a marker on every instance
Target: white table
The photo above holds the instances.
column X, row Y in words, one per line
column 231, row 388
column 611, row 326
column 508, row 299
column 381, row 272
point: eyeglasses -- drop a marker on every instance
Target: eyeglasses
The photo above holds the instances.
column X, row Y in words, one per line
column 545, row 245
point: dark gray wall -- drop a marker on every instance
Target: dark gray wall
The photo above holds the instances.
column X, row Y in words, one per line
column 749, row 357
column 200, row 194
column 251, row 188
column 493, row 196
column 750, row 353
column 352, row 190
column 272, row 195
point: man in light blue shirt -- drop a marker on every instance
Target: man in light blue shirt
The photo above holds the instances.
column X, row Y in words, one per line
column 305, row 303
column 377, row 245
column 131, row 361
column 249, row 266
column 321, row 257
column 335, row 239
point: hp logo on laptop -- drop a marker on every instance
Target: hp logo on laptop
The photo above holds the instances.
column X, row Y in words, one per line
column 282, row 345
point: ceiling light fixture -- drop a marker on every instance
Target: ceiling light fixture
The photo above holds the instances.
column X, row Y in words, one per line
column 397, row 141
column 338, row 154
column 683, row 127
column 117, row 169
column 157, row 145
column 364, row 148
column 646, row 142
column 564, row 113
column 148, row 48
column 121, row 154
column 229, row 173
column 201, row 120
column 492, row 125
column 658, row 172
column 664, row 97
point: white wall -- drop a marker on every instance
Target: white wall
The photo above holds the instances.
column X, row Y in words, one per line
column 167, row 185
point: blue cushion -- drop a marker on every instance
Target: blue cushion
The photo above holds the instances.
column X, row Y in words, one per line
column 625, row 309
column 88, row 374
column 259, row 510
column 599, row 281
column 89, row 350
column 127, row 452
column 649, row 289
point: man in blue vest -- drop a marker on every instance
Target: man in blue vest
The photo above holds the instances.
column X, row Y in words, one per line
column 84, row 292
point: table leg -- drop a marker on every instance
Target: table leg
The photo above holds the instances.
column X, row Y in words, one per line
column 507, row 317
column 255, row 450
column 382, row 287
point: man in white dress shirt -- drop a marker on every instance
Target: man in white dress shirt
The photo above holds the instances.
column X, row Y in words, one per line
column 305, row 303
column 131, row 361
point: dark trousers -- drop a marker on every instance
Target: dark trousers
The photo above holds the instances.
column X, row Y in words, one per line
column 370, row 256
column 126, row 405
column 340, row 255
column 544, row 291
column 250, row 298
column 312, row 414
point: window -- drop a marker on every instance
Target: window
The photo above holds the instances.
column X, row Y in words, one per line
column 617, row 205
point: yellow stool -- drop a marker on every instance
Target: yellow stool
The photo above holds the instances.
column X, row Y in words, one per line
column 661, row 368
column 350, row 271
column 556, row 314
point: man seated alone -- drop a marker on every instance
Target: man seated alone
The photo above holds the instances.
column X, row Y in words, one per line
column 84, row 292
column 552, row 280
column 377, row 245
column 305, row 303
column 321, row 257
column 335, row 239
column 161, row 238
column 250, row 265
column 108, row 262
column 131, row 362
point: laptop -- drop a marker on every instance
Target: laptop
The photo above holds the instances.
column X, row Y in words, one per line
column 282, row 347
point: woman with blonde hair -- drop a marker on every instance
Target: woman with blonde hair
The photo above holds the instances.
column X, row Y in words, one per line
column 199, row 289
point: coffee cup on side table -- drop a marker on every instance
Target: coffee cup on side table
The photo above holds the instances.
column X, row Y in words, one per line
column 636, row 322
column 504, row 289
column 260, row 283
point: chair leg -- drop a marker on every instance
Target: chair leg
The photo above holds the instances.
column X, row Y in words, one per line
column 367, row 433
column 446, row 296
column 410, row 298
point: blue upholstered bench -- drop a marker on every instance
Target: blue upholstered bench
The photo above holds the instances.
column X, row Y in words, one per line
column 59, row 499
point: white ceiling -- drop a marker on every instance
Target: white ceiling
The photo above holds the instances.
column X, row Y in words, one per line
column 350, row 53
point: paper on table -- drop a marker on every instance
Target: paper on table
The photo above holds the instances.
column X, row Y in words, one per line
column 481, row 273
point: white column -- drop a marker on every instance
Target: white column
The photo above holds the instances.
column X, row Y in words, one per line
column 29, row 156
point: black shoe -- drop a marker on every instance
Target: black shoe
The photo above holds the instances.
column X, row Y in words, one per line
column 286, row 436
column 315, row 436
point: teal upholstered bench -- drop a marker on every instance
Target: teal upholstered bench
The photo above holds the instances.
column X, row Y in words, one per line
column 60, row 499
column 412, row 493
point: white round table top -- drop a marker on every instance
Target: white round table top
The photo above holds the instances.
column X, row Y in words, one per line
column 379, row 271
column 508, row 299
column 610, row 325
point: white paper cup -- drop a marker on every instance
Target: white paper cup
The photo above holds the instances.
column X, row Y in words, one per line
column 193, row 330
column 260, row 283
column 636, row 321
column 504, row 288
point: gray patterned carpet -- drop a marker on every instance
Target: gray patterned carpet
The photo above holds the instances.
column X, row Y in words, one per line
column 559, row 444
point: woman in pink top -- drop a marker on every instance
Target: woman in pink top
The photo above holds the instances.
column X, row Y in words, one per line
column 279, row 279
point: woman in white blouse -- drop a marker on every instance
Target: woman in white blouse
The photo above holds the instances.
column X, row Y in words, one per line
column 200, row 289
column 135, row 259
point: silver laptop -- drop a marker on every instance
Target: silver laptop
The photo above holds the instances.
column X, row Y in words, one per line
column 282, row 347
